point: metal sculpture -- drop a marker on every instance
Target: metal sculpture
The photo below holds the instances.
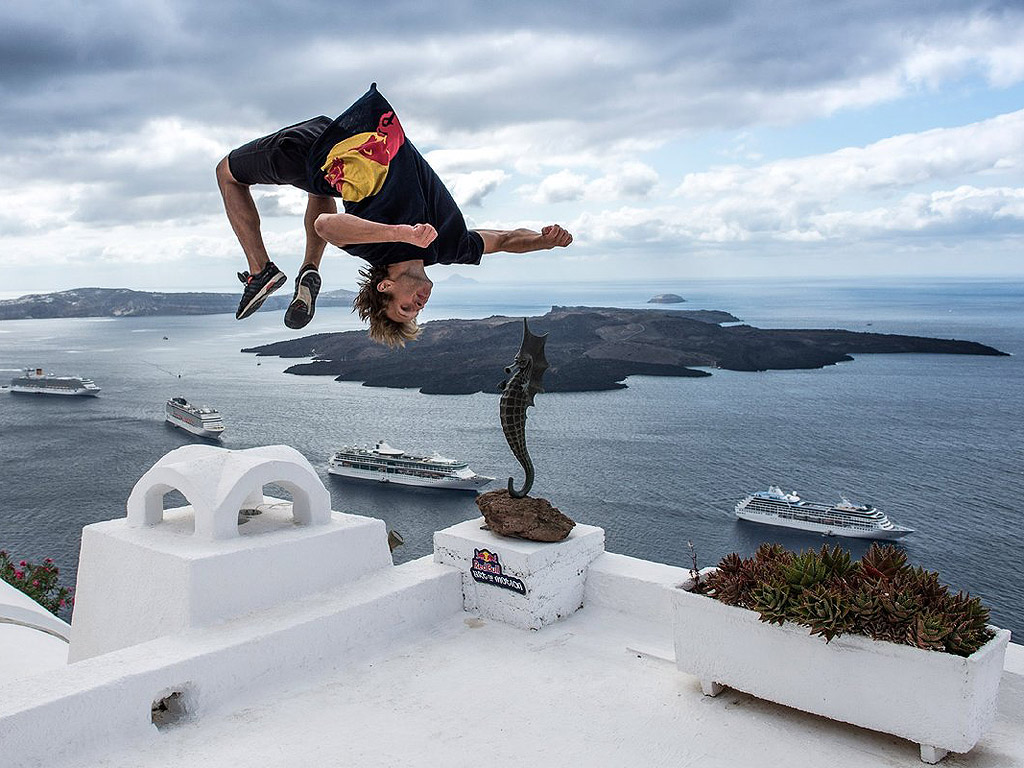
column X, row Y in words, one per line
column 517, row 394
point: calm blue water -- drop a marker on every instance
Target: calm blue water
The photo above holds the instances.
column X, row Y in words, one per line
column 935, row 441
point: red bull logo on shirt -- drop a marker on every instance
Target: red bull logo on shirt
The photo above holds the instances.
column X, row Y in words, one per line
column 358, row 166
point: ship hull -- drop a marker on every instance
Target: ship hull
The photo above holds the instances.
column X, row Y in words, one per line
column 209, row 434
column 77, row 392
column 398, row 478
column 827, row 530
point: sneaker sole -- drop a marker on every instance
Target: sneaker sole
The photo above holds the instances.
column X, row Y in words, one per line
column 303, row 298
column 257, row 301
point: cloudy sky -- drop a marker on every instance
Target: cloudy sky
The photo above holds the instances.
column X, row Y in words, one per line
column 674, row 138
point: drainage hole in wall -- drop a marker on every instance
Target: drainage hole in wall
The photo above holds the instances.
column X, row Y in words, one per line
column 170, row 710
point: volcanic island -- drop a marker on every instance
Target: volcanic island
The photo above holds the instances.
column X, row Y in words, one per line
column 589, row 349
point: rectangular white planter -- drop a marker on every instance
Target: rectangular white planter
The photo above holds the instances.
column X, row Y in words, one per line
column 941, row 701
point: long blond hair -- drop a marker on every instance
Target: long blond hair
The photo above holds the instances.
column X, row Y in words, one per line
column 372, row 306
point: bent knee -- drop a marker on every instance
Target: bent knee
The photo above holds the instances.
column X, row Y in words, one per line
column 224, row 175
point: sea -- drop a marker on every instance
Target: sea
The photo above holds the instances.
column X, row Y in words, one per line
column 935, row 441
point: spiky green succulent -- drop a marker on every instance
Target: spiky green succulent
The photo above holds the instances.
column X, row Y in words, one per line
column 805, row 571
column 929, row 631
column 880, row 596
column 823, row 611
column 771, row 602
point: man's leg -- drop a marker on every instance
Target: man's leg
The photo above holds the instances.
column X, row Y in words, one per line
column 524, row 240
column 262, row 278
column 314, row 243
column 243, row 216
column 307, row 282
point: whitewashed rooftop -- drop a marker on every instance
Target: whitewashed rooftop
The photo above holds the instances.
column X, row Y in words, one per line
column 386, row 666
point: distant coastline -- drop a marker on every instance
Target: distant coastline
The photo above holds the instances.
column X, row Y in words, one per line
column 589, row 349
column 123, row 302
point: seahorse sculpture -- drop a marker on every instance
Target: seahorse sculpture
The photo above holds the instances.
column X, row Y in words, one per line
column 516, row 396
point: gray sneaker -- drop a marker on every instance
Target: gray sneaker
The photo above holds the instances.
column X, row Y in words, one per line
column 307, row 286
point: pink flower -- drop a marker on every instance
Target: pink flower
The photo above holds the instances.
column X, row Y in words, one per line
column 22, row 563
column 19, row 574
column 35, row 583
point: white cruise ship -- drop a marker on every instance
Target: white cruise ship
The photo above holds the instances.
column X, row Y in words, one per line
column 391, row 465
column 774, row 507
column 35, row 382
column 201, row 421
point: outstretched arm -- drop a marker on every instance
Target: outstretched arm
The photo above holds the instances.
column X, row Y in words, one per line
column 524, row 240
column 343, row 229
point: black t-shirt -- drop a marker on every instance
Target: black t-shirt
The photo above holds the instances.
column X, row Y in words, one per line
column 365, row 158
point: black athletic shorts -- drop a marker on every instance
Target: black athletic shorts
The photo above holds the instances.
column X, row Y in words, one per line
column 280, row 158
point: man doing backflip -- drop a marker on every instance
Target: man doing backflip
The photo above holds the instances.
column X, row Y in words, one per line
column 397, row 215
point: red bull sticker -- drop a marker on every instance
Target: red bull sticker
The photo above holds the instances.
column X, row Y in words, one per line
column 487, row 569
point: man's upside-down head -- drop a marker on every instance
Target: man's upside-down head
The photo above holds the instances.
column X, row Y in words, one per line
column 390, row 298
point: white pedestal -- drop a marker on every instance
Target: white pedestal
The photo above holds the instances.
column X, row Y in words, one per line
column 523, row 583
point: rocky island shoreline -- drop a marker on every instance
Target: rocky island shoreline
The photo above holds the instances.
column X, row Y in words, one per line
column 589, row 349
column 124, row 302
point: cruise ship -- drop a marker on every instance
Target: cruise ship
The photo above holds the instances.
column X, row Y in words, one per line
column 391, row 465
column 201, row 421
column 35, row 382
column 774, row 507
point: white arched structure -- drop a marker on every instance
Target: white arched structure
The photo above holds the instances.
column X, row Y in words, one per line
column 157, row 572
column 218, row 483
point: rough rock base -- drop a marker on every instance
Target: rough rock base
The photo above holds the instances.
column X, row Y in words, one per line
column 525, row 518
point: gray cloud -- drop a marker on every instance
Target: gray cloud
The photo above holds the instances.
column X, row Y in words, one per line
column 113, row 63
column 127, row 104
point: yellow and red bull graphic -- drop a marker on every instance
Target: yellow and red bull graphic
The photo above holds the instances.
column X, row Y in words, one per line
column 486, row 568
column 358, row 166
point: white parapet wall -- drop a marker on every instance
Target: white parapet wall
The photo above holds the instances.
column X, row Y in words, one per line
column 231, row 551
column 636, row 587
column 32, row 639
column 524, row 583
column 106, row 702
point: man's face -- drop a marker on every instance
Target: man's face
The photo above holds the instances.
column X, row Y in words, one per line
column 408, row 295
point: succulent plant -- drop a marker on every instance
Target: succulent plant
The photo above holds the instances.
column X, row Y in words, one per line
column 931, row 592
column 879, row 596
column 928, row 631
column 730, row 588
column 771, row 602
column 823, row 611
column 883, row 561
column 731, row 564
column 968, row 621
column 868, row 615
column 805, row 571
column 771, row 553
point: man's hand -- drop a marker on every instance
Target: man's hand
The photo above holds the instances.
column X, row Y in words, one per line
column 553, row 236
column 420, row 235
